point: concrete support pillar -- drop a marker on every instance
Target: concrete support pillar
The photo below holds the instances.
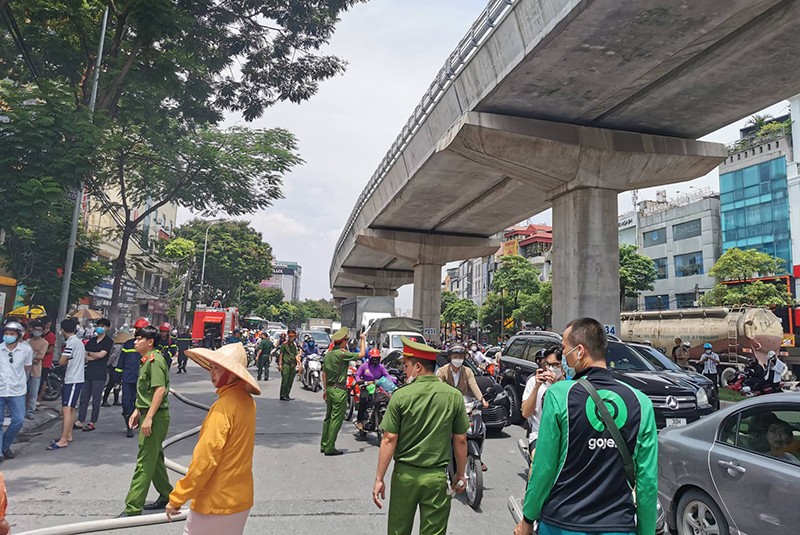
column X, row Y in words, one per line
column 586, row 257
column 428, row 298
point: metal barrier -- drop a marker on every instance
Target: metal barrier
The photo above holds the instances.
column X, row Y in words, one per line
column 481, row 29
column 107, row 524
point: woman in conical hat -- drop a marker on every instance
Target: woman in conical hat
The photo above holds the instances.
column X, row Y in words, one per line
column 220, row 477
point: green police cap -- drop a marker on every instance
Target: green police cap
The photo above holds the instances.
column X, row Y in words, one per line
column 339, row 335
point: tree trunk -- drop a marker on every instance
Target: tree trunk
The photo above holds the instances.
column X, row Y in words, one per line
column 622, row 299
column 119, row 271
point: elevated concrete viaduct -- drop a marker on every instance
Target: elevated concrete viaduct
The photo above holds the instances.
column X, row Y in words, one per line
column 562, row 104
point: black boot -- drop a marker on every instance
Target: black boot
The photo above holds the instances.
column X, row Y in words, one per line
column 129, row 430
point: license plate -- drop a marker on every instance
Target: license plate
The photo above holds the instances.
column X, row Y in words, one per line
column 676, row 422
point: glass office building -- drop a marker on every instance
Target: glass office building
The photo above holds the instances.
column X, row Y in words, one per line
column 754, row 201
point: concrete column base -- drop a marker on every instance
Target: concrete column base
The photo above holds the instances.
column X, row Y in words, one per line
column 585, row 257
column 428, row 298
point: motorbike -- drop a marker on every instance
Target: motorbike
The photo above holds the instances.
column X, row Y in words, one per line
column 751, row 383
column 476, row 436
column 312, row 372
column 54, row 382
column 353, row 391
column 250, row 349
column 381, row 393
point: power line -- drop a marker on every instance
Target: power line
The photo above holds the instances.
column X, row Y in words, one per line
column 16, row 35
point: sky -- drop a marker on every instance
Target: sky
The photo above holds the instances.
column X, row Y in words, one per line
column 394, row 49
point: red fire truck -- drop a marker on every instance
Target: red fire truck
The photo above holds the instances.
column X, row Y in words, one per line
column 213, row 322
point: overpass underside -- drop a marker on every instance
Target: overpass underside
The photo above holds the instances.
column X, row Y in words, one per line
column 565, row 104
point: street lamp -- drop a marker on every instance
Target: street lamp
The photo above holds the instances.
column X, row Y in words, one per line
column 205, row 250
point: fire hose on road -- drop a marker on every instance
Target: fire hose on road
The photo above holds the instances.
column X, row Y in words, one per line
column 107, row 524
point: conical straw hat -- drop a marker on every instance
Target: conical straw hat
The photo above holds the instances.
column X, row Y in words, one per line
column 232, row 357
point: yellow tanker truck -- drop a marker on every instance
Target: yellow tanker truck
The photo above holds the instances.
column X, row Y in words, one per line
column 735, row 333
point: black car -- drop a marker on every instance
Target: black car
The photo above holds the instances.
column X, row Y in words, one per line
column 677, row 396
column 664, row 364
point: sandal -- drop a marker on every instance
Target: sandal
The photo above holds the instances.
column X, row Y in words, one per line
column 88, row 427
column 55, row 446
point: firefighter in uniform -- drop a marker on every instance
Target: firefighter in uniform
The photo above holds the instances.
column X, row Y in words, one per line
column 421, row 420
column 152, row 417
column 334, row 388
column 128, row 368
column 288, row 363
column 183, row 342
column 166, row 344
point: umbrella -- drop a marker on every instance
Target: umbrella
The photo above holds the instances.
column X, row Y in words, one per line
column 86, row 314
column 32, row 312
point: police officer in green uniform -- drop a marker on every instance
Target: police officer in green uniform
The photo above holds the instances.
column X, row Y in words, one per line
column 334, row 388
column 288, row 362
column 263, row 352
column 421, row 420
column 153, row 409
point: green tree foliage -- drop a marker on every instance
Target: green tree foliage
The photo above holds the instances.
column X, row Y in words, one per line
column 462, row 312
column 256, row 301
column 45, row 144
column 448, row 298
column 180, row 249
column 188, row 59
column 234, row 171
column 319, row 308
column 516, row 275
column 236, row 255
column 742, row 264
column 536, row 309
column 735, row 267
column 491, row 314
column 636, row 272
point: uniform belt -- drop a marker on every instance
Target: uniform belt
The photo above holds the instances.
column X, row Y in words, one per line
column 341, row 386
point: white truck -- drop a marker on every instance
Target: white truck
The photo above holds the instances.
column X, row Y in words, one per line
column 386, row 334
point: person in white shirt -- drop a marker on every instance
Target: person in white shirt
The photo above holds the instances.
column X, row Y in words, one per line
column 16, row 359
column 775, row 368
column 549, row 372
column 709, row 360
column 74, row 358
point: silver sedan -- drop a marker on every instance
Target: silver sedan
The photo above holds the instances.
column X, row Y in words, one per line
column 736, row 471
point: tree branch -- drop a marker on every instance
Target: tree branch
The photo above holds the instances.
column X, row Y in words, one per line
column 108, row 96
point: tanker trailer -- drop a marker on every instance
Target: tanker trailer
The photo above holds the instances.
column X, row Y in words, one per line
column 734, row 333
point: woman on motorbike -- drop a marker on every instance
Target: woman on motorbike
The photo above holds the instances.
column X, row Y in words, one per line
column 370, row 372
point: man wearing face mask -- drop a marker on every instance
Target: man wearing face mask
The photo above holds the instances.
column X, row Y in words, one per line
column 369, row 372
column 580, row 483
column 549, row 372
column 422, row 420
column 16, row 359
column 710, row 360
column 98, row 350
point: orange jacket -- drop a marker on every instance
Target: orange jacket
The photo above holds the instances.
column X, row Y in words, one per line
column 220, row 476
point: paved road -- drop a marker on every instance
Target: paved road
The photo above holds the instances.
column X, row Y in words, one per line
column 298, row 490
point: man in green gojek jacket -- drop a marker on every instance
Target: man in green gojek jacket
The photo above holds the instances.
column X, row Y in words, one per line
column 578, row 482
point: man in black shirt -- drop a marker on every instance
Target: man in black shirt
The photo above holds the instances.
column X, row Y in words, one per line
column 98, row 350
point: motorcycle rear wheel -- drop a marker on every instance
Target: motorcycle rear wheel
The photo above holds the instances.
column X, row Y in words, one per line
column 350, row 407
column 315, row 384
column 474, row 475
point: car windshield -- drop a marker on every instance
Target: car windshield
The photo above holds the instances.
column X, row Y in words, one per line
column 623, row 358
column 657, row 359
column 396, row 342
column 320, row 337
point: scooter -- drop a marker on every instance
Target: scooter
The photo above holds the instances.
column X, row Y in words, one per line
column 312, row 372
column 353, row 390
column 476, row 436
column 738, row 382
column 54, row 382
column 376, row 410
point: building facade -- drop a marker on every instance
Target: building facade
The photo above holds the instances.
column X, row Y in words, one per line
column 682, row 236
column 754, row 196
column 286, row 276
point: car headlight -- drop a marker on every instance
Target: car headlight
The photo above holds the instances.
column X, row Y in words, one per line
column 702, row 398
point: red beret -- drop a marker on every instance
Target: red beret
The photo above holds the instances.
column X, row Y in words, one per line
column 417, row 350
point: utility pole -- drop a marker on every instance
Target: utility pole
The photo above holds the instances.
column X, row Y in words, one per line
column 76, row 212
